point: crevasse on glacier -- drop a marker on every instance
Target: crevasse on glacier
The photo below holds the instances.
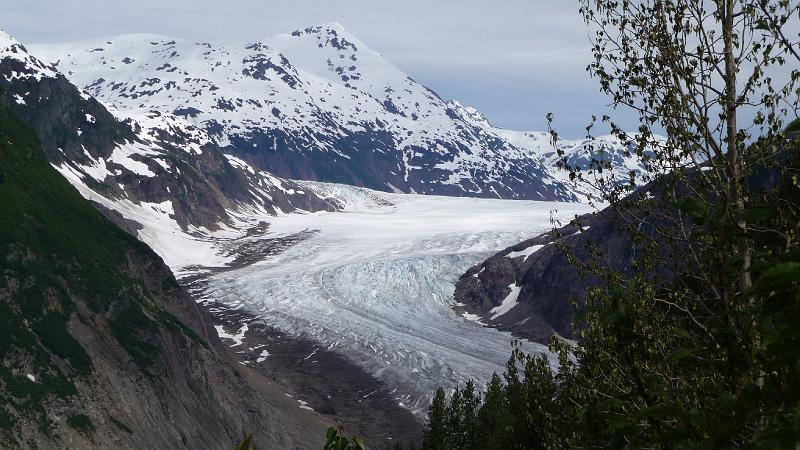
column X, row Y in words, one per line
column 375, row 282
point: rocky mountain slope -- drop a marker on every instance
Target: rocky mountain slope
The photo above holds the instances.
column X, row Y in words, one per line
column 100, row 346
column 315, row 104
column 153, row 162
column 529, row 288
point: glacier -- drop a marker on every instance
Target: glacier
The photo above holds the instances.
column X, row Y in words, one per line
column 375, row 282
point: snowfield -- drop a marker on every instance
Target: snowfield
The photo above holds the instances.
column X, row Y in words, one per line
column 376, row 281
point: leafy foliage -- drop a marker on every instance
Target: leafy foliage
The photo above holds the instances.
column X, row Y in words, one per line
column 247, row 444
column 336, row 441
column 699, row 347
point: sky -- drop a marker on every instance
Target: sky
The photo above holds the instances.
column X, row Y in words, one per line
column 514, row 60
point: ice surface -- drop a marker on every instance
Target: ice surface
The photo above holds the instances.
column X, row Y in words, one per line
column 376, row 283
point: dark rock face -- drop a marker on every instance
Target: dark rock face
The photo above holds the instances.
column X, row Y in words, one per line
column 368, row 159
column 261, row 67
column 549, row 283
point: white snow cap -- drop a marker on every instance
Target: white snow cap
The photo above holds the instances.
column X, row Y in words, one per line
column 8, row 45
column 316, row 84
column 10, row 48
column 336, row 26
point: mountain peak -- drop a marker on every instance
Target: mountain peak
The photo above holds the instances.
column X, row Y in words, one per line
column 141, row 37
column 319, row 99
column 331, row 35
column 336, row 26
column 26, row 65
column 470, row 113
column 6, row 40
column 323, row 28
column 10, row 47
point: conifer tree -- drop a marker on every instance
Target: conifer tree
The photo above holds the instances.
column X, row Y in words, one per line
column 494, row 417
column 471, row 402
column 435, row 437
column 455, row 421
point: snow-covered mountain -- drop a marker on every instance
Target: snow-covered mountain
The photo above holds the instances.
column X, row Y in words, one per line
column 315, row 104
column 135, row 162
column 583, row 154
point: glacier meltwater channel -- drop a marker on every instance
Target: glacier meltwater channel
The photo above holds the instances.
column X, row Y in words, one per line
column 376, row 282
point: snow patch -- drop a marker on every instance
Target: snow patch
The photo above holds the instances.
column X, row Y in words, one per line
column 238, row 338
column 525, row 252
column 304, row 405
column 263, row 356
column 508, row 303
column 123, row 155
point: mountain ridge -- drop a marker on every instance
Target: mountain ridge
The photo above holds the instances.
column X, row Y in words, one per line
column 314, row 104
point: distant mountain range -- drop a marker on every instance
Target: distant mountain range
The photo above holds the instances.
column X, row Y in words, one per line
column 318, row 104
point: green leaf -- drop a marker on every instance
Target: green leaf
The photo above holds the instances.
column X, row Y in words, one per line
column 665, row 411
column 681, row 353
column 781, row 276
column 755, row 215
column 247, row 444
column 331, row 434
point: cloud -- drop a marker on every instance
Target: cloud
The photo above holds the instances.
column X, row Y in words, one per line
column 513, row 59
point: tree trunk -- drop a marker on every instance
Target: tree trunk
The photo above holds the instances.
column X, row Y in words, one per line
column 736, row 194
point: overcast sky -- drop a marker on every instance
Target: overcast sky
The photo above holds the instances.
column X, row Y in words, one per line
column 515, row 60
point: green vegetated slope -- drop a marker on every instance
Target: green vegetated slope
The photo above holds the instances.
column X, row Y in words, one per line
column 56, row 247
column 100, row 347
column 62, row 262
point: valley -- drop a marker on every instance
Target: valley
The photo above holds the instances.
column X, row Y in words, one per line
column 237, row 225
column 334, row 299
column 374, row 282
